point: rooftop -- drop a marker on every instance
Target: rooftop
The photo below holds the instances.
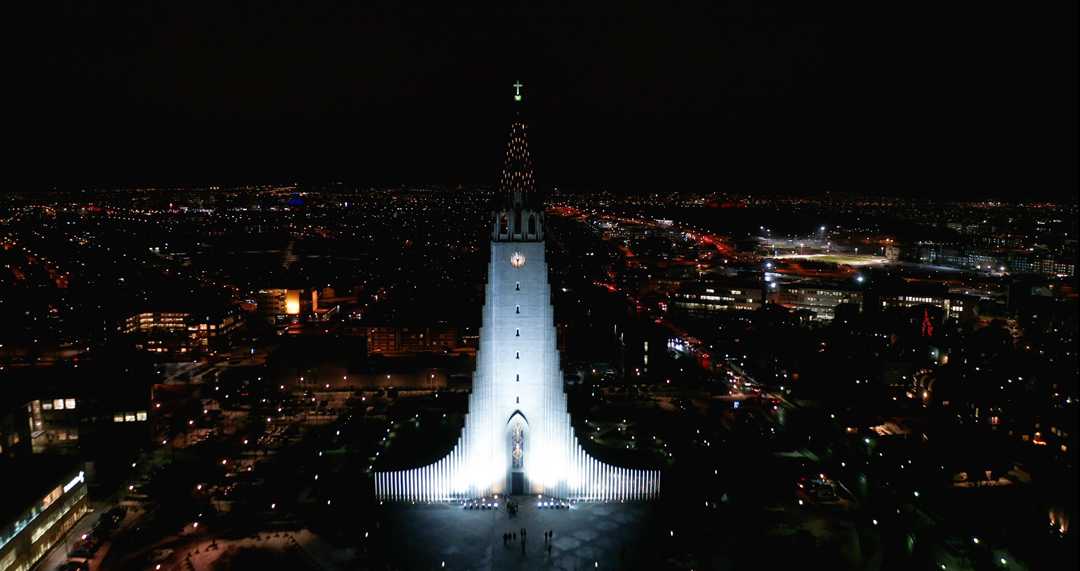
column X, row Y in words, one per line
column 28, row 480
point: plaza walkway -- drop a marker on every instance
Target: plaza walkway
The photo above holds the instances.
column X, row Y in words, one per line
column 587, row 536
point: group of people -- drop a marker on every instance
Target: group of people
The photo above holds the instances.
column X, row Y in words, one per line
column 513, row 536
column 511, row 508
column 522, row 534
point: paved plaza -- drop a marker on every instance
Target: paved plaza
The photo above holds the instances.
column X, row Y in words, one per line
column 587, row 536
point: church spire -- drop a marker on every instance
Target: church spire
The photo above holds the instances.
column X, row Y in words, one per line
column 517, row 175
column 519, row 216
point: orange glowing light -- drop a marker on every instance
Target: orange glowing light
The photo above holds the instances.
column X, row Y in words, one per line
column 292, row 302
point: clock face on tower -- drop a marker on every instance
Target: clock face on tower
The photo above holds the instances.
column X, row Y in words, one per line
column 517, row 259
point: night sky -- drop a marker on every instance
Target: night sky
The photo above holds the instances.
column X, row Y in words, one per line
column 910, row 98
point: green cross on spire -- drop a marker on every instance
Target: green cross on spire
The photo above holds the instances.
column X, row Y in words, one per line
column 517, row 90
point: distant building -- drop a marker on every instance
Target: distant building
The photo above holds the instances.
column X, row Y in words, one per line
column 42, row 500
column 14, row 433
column 292, row 302
column 938, row 254
column 1032, row 264
column 388, row 339
column 819, row 298
column 996, row 260
column 181, row 331
column 150, row 321
column 270, row 304
column 54, row 423
column 705, row 298
column 52, row 410
column 276, row 305
column 906, row 295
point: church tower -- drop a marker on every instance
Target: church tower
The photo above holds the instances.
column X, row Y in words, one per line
column 517, row 437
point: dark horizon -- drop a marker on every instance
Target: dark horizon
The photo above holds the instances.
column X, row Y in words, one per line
column 748, row 97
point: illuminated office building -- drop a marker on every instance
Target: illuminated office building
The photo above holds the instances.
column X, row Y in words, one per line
column 181, row 331
column 707, row 298
column 818, row 297
column 42, row 500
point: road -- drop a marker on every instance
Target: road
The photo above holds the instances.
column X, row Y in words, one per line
column 58, row 554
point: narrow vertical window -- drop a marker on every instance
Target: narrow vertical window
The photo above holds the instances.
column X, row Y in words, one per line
column 517, row 378
column 517, row 309
column 517, row 333
column 517, row 286
column 517, row 354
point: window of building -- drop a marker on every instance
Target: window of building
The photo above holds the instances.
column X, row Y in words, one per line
column 129, row 417
column 140, row 416
column 58, row 404
column 517, row 354
column 118, row 417
column 517, row 377
column 46, row 405
column 517, row 333
column 69, row 403
column 517, row 309
column 517, row 286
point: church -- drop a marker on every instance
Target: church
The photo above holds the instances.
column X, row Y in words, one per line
column 517, row 438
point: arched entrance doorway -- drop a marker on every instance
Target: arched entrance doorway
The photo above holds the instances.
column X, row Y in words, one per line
column 517, row 443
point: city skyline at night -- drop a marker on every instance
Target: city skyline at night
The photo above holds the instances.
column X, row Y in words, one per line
column 749, row 285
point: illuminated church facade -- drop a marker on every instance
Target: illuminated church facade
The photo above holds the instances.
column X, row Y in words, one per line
column 517, row 437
